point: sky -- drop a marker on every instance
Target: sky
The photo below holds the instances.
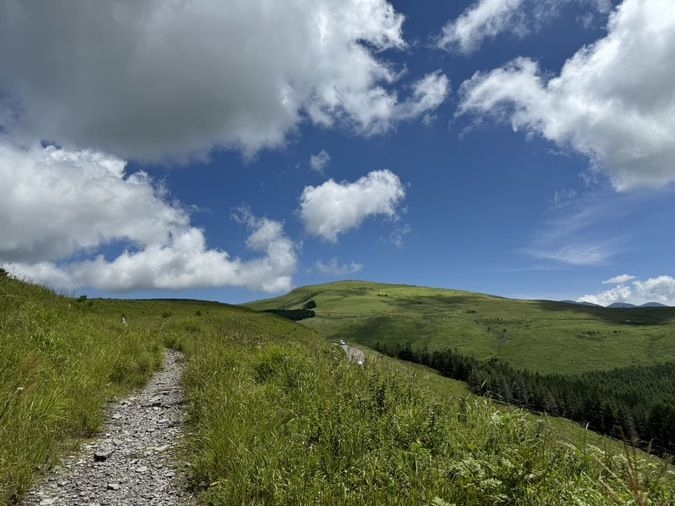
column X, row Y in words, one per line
column 235, row 150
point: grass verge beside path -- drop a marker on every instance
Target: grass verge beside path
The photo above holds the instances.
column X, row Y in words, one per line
column 59, row 364
column 279, row 416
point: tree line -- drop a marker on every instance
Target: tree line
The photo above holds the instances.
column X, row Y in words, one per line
column 295, row 314
column 636, row 404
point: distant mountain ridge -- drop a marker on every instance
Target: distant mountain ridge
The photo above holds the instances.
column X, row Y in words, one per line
column 582, row 303
column 616, row 305
column 620, row 305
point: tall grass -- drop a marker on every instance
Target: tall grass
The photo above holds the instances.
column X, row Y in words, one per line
column 59, row 364
column 280, row 417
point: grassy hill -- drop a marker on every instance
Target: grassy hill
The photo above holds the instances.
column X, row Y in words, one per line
column 610, row 369
column 542, row 336
column 277, row 415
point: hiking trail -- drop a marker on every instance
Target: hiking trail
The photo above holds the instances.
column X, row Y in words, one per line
column 133, row 459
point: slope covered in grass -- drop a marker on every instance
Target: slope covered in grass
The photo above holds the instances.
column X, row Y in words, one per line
column 277, row 415
column 541, row 336
column 610, row 369
column 281, row 417
column 59, row 363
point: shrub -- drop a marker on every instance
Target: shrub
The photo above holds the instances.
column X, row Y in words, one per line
column 292, row 314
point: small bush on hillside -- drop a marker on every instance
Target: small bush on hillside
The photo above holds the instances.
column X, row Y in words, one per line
column 310, row 304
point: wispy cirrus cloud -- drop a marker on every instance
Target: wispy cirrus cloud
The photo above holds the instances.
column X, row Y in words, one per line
column 581, row 231
column 577, row 254
column 619, row 280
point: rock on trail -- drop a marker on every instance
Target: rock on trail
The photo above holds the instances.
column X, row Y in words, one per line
column 354, row 354
column 132, row 462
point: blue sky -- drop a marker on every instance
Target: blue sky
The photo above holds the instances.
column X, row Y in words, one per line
column 234, row 150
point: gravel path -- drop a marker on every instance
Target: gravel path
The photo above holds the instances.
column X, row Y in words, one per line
column 132, row 462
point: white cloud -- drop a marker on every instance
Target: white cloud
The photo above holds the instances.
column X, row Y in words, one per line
column 399, row 234
column 334, row 268
column 58, row 203
column 163, row 81
column 575, row 253
column 560, row 197
column 618, row 280
column 333, row 208
column 620, row 293
column 427, row 94
column 613, row 101
column 659, row 289
column 581, row 229
column 486, row 19
column 319, row 162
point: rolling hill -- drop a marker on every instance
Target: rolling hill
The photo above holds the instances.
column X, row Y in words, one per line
column 611, row 369
column 537, row 335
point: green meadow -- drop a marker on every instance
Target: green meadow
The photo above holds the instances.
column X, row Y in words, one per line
column 277, row 415
column 541, row 336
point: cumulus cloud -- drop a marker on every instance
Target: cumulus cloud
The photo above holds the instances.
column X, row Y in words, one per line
column 163, row 81
column 486, row 19
column 613, row 101
column 319, row 162
column 659, row 289
column 333, row 208
column 334, row 268
column 618, row 280
column 58, row 203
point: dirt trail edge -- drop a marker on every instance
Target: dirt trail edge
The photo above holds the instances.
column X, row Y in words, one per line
column 132, row 461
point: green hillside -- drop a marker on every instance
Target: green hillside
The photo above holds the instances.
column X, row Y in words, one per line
column 542, row 336
column 277, row 415
column 612, row 370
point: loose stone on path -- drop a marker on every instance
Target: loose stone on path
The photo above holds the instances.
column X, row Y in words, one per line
column 132, row 462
